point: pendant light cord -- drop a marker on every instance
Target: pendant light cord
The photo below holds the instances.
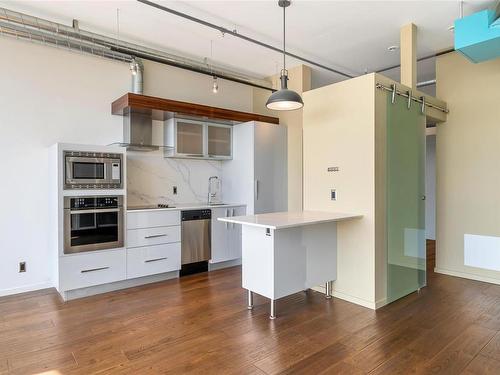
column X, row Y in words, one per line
column 284, row 34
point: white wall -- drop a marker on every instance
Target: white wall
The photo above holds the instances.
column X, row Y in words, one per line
column 430, row 188
column 468, row 175
column 344, row 135
column 50, row 95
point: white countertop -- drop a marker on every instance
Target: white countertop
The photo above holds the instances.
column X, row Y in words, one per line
column 281, row 220
column 187, row 206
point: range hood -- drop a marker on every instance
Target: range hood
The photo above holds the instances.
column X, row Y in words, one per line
column 144, row 117
column 138, row 132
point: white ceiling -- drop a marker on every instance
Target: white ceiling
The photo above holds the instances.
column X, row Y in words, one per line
column 352, row 36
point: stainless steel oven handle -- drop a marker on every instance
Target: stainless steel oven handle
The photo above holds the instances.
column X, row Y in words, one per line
column 155, row 260
column 96, row 211
column 94, row 269
column 156, row 236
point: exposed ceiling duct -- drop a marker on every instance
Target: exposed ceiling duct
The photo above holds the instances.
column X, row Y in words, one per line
column 477, row 36
column 41, row 31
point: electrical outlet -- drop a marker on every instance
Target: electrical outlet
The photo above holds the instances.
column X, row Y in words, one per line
column 174, row 190
column 22, row 266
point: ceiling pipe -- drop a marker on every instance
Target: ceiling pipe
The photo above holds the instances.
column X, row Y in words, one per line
column 41, row 31
column 426, row 83
column 234, row 33
column 444, row 52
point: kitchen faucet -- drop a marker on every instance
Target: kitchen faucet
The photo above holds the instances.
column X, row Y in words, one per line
column 212, row 195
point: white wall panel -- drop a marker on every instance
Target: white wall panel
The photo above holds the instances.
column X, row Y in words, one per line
column 482, row 252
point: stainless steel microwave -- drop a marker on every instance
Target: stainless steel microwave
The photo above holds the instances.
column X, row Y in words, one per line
column 92, row 170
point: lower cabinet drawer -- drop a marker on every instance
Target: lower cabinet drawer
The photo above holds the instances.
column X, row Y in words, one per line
column 83, row 270
column 153, row 236
column 155, row 218
column 150, row 260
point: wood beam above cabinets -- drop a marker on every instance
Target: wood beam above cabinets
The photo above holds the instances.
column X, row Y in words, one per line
column 162, row 109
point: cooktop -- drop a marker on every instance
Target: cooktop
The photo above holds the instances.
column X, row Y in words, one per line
column 150, row 206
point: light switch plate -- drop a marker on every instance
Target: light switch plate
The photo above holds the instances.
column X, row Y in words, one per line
column 333, row 195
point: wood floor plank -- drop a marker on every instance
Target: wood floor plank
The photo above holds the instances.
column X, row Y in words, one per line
column 4, row 366
column 492, row 349
column 381, row 350
column 342, row 368
column 404, row 362
column 200, row 325
column 320, row 361
column 460, row 352
column 41, row 361
column 482, row 365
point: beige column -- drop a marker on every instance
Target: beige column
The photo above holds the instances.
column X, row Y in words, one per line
column 408, row 48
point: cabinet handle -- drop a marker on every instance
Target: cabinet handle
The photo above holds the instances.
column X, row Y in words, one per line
column 94, row 269
column 156, row 236
column 227, row 215
column 155, row 260
column 232, row 214
column 97, row 211
column 256, row 189
column 195, row 155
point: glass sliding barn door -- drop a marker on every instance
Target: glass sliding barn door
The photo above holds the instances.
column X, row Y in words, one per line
column 406, row 243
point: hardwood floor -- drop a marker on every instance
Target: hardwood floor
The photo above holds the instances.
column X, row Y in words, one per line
column 200, row 324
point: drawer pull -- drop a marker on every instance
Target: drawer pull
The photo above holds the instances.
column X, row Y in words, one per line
column 154, row 260
column 94, row 269
column 156, row 236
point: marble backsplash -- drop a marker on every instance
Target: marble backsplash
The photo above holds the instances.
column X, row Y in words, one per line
column 151, row 178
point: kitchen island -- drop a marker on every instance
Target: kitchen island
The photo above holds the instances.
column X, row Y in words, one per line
column 287, row 252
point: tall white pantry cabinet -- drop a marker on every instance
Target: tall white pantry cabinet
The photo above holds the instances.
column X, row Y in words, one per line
column 257, row 174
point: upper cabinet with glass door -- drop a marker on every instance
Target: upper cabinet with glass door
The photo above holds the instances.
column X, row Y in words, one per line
column 198, row 139
column 219, row 141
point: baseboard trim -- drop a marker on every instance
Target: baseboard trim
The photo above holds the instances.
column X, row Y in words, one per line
column 350, row 298
column 69, row 295
column 226, row 264
column 465, row 275
column 25, row 288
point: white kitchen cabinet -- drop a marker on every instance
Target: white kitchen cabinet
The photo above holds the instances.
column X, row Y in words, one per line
column 219, row 141
column 151, row 260
column 152, row 218
column 226, row 237
column 88, row 269
column 153, row 236
column 153, row 242
column 197, row 139
column 234, row 238
column 257, row 174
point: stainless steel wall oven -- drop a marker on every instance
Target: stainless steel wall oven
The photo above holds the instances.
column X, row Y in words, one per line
column 93, row 223
column 92, row 170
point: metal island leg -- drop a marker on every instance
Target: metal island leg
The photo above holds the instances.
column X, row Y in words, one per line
column 273, row 309
column 328, row 287
column 250, row 300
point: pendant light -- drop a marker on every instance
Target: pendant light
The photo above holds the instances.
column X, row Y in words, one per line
column 284, row 99
column 215, row 84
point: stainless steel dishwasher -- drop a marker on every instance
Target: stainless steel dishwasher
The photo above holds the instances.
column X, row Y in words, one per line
column 195, row 241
